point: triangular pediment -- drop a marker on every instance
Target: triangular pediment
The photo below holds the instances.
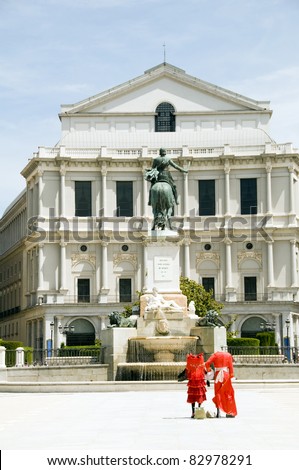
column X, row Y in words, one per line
column 168, row 83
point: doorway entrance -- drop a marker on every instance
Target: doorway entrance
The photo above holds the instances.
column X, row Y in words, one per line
column 83, row 335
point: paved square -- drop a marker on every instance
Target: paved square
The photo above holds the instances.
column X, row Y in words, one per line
column 153, row 420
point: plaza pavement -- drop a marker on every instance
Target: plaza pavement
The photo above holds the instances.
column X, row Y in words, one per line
column 267, row 419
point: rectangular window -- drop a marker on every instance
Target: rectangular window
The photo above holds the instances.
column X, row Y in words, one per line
column 248, row 191
column 124, row 198
column 82, row 198
column 83, row 290
column 209, row 284
column 125, row 290
column 250, row 288
column 206, row 197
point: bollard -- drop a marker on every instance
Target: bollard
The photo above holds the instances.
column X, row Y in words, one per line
column 2, row 357
column 20, row 356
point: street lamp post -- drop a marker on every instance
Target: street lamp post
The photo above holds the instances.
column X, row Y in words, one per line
column 287, row 322
column 52, row 331
column 50, row 342
column 65, row 330
column 267, row 326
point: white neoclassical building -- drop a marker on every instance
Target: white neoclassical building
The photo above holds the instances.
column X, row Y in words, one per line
column 74, row 243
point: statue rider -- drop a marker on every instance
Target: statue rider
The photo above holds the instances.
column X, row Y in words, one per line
column 159, row 172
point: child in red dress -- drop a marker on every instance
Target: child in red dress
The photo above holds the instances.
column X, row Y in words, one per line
column 195, row 371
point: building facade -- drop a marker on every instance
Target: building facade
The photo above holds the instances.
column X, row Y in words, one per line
column 74, row 243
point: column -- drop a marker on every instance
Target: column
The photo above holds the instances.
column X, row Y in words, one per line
column 34, row 334
column 270, row 266
column 104, row 265
column 296, row 334
column 62, row 191
column 186, row 195
column 104, row 286
column 62, row 265
column 32, row 344
column 145, row 194
column 228, row 262
column 58, row 337
column 145, row 273
column 187, row 258
column 40, row 267
column 269, row 189
column 40, row 181
column 227, row 190
column 27, row 279
column 29, row 199
column 104, row 191
column 145, row 190
column 291, row 190
column 293, row 263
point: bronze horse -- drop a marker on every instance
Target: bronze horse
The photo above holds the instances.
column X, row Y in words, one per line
column 162, row 201
column 163, row 193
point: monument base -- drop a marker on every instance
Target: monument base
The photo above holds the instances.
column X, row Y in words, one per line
column 210, row 339
column 163, row 264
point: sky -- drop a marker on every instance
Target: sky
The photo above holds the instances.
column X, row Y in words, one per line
column 55, row 52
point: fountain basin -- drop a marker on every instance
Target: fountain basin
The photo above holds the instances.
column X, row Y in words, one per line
column 161, row 348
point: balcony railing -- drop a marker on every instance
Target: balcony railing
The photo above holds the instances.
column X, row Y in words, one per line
column 98, row 152
column 75, row 299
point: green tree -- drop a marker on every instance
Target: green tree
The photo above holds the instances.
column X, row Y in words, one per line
column 203, row 300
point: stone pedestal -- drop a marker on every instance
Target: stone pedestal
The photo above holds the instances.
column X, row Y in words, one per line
column 163, row 269
column 3, row 369
column 20, row 357
column 115, row 345
column 2, row 357
column 210, row 339
column 163, row 262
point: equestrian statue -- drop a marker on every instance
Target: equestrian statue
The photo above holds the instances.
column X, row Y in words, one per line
column 163, row 193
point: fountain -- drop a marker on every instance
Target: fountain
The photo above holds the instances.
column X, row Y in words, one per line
column 156, row 357
column 165, row 332
column 157, row 347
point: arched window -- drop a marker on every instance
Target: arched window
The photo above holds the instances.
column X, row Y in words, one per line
column 165, row 118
